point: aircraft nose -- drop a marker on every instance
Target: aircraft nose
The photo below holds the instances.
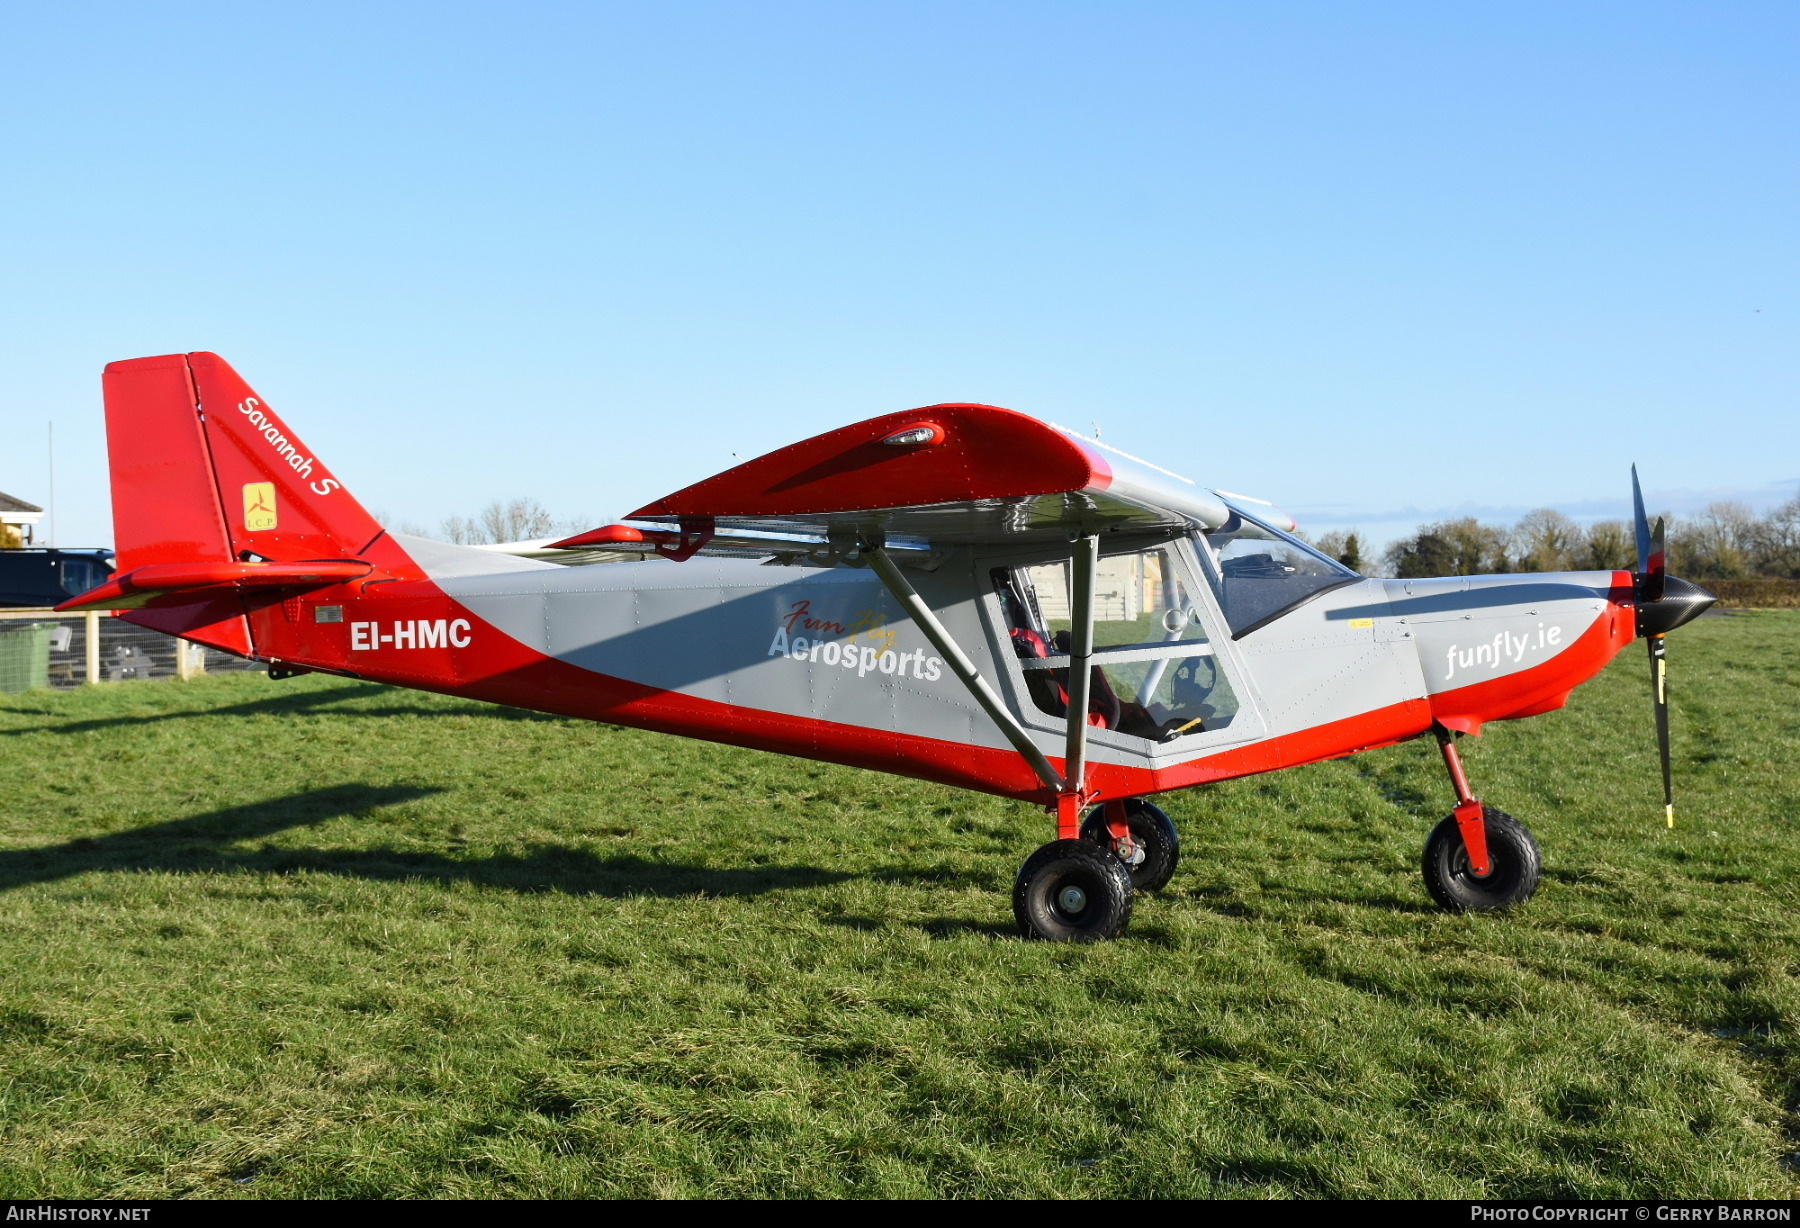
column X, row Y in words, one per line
column 1682, row 602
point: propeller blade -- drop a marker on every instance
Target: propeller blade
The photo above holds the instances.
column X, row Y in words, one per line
column 1654, row 620
column 1659, row 682
column 1640, row 523
column 1650, row 552
column 1653, row 583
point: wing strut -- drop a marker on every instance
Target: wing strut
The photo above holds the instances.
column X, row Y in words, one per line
column 1081, row 651
column 961, row 666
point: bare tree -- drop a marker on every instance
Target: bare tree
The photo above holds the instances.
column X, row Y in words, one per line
column 1463, row 547
column 1611, row 546
column 1717, row 544
column 462, row 532
column 1547, row 540
column 403, row 526
column 1344, row 545
column 516, row 520
column 1775, row 542
column 510, row 520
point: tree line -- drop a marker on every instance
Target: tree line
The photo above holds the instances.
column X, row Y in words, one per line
column 503, row 520
column 1726, row 541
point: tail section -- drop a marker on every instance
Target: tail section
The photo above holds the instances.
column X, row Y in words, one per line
column 217, row 503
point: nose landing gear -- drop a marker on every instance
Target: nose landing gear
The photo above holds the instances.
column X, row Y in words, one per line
column 1513, row 869
column 1479, row 858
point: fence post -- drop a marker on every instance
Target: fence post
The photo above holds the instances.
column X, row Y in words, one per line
column 183, row 670
column 93, row 646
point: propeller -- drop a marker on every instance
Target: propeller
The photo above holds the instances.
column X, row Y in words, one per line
column 1664, row 603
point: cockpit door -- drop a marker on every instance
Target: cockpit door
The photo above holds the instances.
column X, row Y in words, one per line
column 1166, row 683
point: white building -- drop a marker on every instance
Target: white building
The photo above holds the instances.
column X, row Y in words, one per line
column 18, row 521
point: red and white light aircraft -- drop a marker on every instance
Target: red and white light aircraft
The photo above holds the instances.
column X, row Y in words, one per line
column 959, row 593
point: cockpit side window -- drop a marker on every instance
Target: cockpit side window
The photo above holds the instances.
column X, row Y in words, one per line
column 1155, row 675
column 1264, row 573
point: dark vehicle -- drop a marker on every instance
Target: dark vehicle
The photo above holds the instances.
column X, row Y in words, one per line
column 35, row 576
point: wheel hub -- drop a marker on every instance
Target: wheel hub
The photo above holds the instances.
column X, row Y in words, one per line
column 1467, row 870
column 1071, row 899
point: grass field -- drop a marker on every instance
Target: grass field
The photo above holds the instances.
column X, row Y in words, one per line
column 319, row 938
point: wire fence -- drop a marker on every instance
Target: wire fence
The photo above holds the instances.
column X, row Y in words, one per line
column 126, row 652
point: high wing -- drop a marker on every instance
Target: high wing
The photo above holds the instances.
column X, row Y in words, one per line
column 918, row 481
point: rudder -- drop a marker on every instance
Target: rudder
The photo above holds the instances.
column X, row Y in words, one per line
column 164, row 500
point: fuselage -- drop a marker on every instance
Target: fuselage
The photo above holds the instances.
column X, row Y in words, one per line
column 820, row 662
column 1079, row 602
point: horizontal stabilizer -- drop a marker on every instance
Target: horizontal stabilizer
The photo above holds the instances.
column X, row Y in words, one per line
column 133, row 589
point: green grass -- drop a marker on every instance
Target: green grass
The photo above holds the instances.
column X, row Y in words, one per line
column 326, row 939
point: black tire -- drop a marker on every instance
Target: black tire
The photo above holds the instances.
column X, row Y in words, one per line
column 1513, row 857
column 1070, row 891
column 1158, row 849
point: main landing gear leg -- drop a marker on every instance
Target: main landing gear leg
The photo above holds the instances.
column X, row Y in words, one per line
column 1128, row 834
column 1479, row 858
column 1071, row 890
column 1140, row 835
column 1068, row 816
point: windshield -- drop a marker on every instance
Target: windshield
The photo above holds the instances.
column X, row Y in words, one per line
column 1264, row 573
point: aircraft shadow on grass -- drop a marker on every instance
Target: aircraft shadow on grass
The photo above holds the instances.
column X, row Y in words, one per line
column 214, row 843
column 937, row 927
column 296, row 703
column 204, row 844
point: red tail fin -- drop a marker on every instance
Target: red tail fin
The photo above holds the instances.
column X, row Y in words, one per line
column 204, row 472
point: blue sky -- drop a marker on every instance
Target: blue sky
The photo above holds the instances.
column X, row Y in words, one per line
column 1371, row 261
